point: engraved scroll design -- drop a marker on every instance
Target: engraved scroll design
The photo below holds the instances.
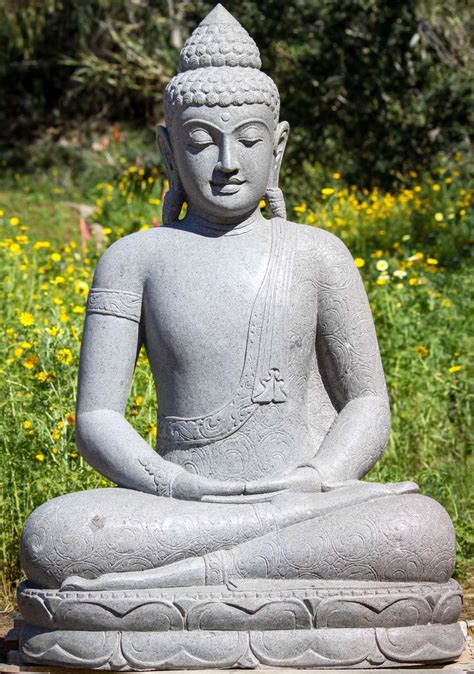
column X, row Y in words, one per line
column 121, row 303
column 265, row 365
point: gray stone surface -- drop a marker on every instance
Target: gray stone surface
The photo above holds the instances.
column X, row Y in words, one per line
column 248, row 537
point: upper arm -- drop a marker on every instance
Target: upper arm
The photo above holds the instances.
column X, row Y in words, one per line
column 347, row 348
column 111, row 338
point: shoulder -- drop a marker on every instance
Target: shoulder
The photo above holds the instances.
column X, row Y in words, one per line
column 323, row 245
column 330, row 258
column 125, row 264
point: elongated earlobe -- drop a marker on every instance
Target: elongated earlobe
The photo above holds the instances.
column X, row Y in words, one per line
column 276, row 202
column 273, row 195
column 174, row 197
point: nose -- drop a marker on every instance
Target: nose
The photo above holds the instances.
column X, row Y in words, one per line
column 228, row 162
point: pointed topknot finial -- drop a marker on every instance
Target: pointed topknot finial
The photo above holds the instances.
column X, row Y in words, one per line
column 220, row 16
column 219, row 40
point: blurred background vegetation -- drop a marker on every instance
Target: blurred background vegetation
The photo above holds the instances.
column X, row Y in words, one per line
column 376, row 87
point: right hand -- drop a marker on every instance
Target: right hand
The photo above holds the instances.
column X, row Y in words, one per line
column 191, row 487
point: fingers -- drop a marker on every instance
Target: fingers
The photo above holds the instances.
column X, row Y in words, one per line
column 215, row 487
column 265, row 486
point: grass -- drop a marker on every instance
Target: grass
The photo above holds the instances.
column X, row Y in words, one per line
column 411, row 248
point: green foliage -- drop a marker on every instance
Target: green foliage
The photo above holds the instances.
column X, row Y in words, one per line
column 379, row 85
column 375, row 87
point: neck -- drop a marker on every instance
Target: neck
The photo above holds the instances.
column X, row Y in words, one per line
column 226, row 225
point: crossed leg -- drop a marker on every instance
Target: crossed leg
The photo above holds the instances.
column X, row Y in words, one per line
column 131, row 540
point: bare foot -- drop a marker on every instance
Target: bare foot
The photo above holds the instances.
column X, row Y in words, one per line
column 184, row 573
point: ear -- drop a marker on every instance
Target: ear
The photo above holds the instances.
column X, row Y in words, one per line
column 174, row 198
column 280, row 140
column 164, row 143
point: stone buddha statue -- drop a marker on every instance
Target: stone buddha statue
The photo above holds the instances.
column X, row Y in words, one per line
column 248, row 536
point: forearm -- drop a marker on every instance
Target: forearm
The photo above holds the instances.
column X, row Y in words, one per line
column 355, row 440
column 113, row 447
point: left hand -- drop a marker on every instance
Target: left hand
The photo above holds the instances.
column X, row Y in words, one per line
column 302, row 479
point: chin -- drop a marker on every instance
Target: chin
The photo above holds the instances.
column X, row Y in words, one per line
column 229, row 205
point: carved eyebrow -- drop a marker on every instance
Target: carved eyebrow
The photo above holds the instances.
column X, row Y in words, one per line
column 239, row 127
column 203, row 123
column 249, row 123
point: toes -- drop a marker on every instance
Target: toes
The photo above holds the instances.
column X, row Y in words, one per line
column 76, row 583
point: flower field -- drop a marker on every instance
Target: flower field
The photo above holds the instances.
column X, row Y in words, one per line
column 411, row 248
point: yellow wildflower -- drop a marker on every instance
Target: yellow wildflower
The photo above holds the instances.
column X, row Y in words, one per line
column 56, row 434
column 30, row 361
column 55, row 450
column 138, row 400
column 454, row 368
column 41, row 244
column 359, row 262
column 421, row 350
column 56, row 257
column 64, row 356
column 413, row 282
column 15, row 248
column 157, row 202
column 381, row 265
column 301, row 208
column 152, row 429
column 26, row 319
column 14, row 221
column 327, row 191
column 73, row 455
column 432, row 260
column 70, row 418
column 40, row 457
column 436, row 187
column 74, row 333
column 336, row 175
column 439, row 217
column 78, row 309
column 445, row 303
column 382, row 280
column 27, row 425
column 18, row 352
column 53, row 331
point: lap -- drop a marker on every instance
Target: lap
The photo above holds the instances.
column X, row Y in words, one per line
column 114, row 530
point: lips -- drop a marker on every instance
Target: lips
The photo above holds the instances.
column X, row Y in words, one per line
column 230, row 186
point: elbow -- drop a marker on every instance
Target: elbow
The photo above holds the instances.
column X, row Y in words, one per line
column 85, row 425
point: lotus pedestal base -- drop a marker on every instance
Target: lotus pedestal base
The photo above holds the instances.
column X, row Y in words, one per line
column 251, row 624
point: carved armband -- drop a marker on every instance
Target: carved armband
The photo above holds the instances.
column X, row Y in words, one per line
column 121, row 303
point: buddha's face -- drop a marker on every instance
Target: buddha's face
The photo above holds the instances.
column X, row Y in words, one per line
column 224, row 157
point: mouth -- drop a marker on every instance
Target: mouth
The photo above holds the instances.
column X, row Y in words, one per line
column 230, row 186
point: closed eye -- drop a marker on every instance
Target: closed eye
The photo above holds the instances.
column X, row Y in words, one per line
column 250, row 142
column 200, row 138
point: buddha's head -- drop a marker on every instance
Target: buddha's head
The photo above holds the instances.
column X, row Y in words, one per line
column 223, row 143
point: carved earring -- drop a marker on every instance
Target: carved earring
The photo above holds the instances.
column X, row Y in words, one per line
column 175, row 196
